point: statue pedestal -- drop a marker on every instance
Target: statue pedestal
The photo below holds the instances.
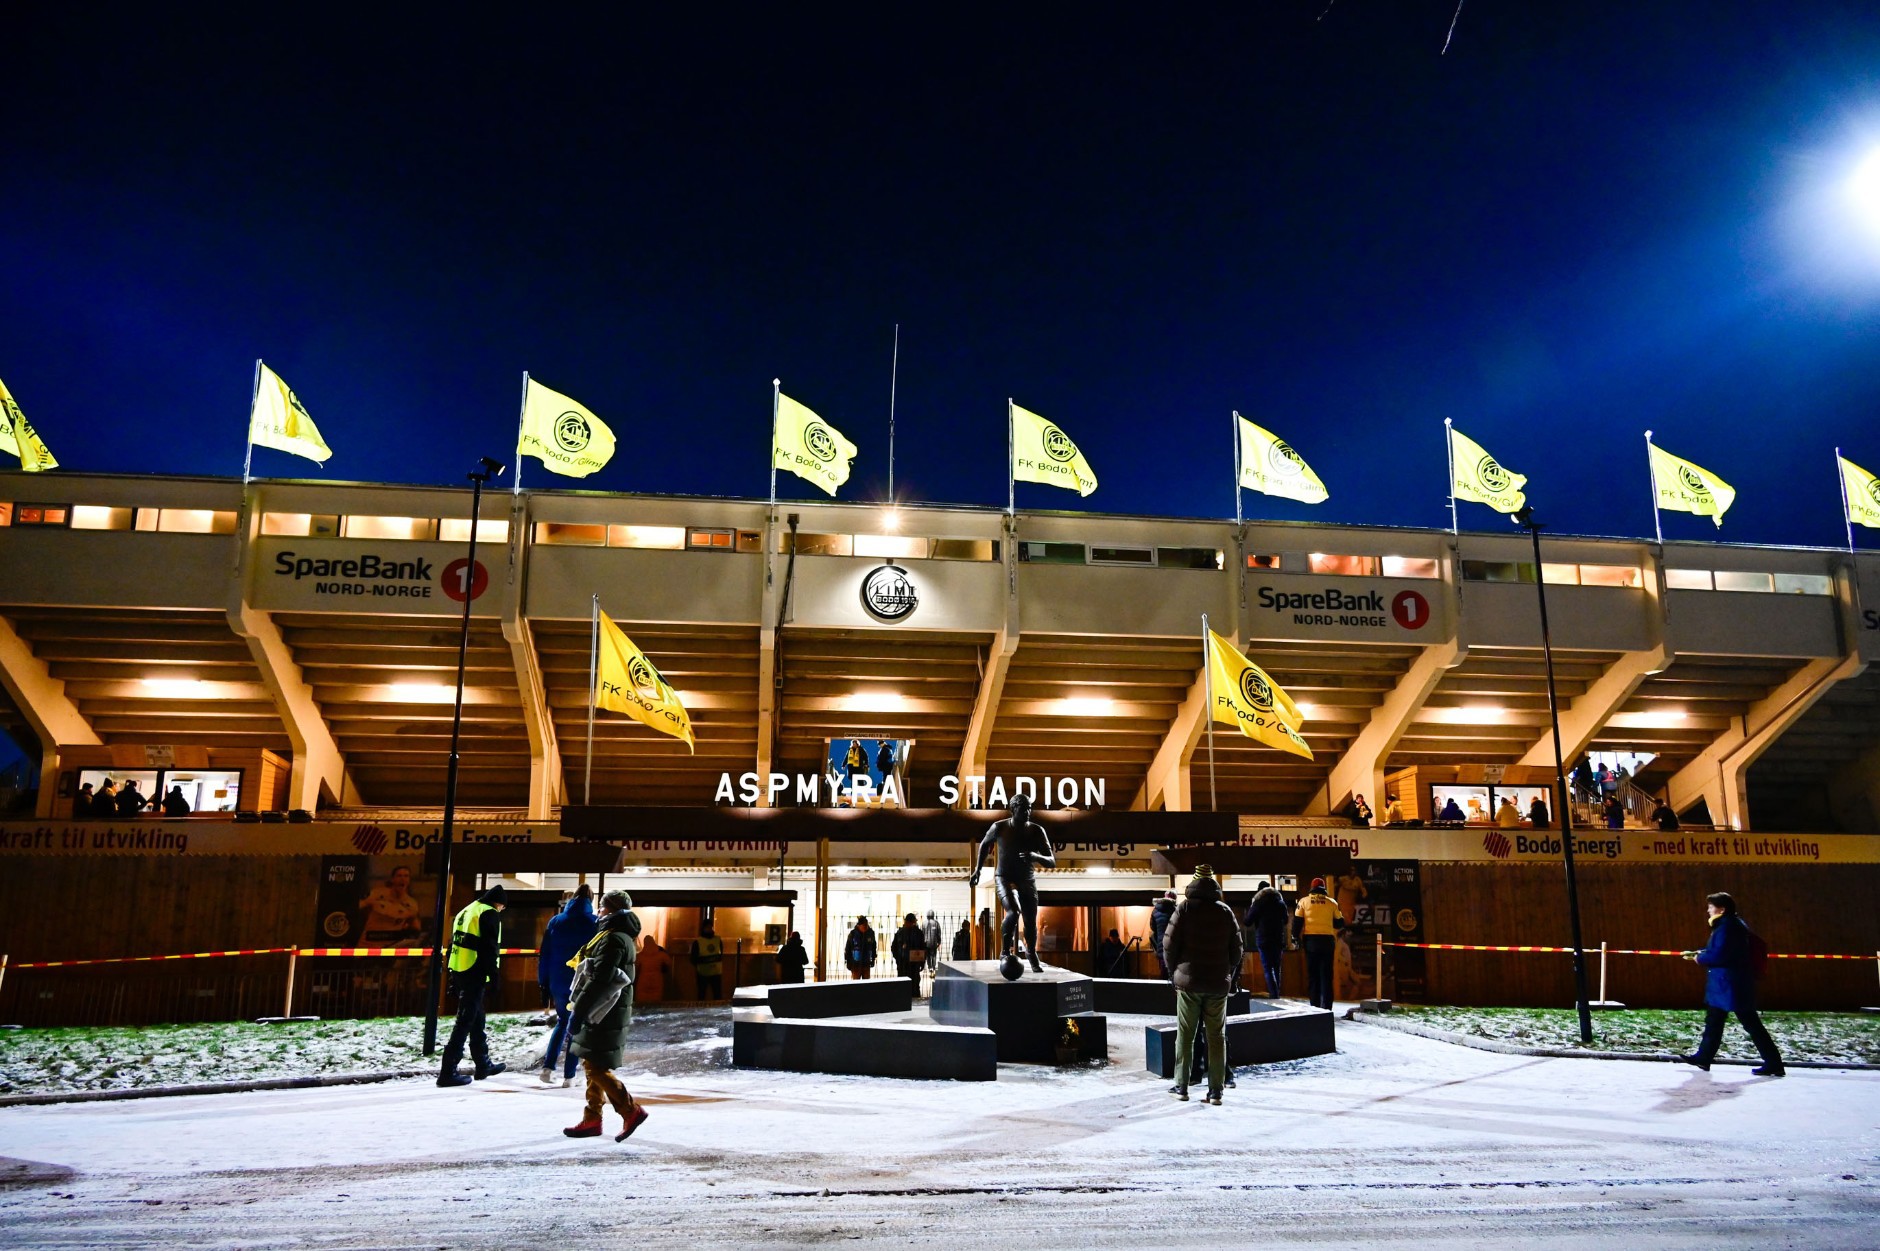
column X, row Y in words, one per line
column 1026, row 1016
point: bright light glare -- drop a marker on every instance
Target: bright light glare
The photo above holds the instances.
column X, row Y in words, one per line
column 420, row 693
column 1863, row 188
column 1085, row 706
column 875, row 701
column 891, row 521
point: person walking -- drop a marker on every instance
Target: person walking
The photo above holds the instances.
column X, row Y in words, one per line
column 649, row 977
column 1318, row 920
column 1615, row 813
column 931, row 933
column 708, row 961
column 963, row 942
column 909, row 950
column 1202, row 946
column 792, row 959
column 568, row 932
column 1158, row 926
column 1267, row 917
column 1110, row 955
column 603, row 1003
column 859, row 952
column 1734, row 958
column 476, row 944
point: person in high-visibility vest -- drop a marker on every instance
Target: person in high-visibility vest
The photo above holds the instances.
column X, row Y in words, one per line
column 476, row 944
column 1318, row 921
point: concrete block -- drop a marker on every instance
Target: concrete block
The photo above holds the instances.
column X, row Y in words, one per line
column 1265, row 1036
column 760, row 1040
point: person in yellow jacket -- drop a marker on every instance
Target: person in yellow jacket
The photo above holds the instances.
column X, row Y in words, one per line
column 708, row 962
column 1317, row 921
column 476, row 943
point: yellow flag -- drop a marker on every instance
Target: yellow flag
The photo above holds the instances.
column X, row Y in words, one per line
column 1245, row 696
column 280, row 421
column 18, row 436
column 1478, row 477
column 626, row 681
column 1043, row 453
column 560, row 433
column 1863, row 494
column 1686, row 488
column 809, row 447
column 1268, row 464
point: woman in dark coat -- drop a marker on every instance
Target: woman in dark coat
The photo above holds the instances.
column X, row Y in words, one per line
column 1732, row 958
column 601, row 1042
column 792, row 959
column 568, row 932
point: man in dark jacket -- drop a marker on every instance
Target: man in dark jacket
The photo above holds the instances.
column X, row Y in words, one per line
column 568, row 931
column 601, row 1038
column 1158, row 927
column 860, row 951
column 909, row 950
column 1267, row 917
column 1202, row 947
column 792, row 959
column 476, row 944
column 1732, row 957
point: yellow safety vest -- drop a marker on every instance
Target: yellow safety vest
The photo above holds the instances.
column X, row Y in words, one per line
column 463, row 952
column 1318, row 911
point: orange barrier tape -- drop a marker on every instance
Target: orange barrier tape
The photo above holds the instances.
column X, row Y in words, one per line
column 395, row 951
column 194, row 955
column 1472, row 947
column 1620, row 951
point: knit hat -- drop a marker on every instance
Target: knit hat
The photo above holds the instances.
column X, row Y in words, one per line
column 1204, row 870
column 616, row 901
column 1318, row 883
column 495, row 895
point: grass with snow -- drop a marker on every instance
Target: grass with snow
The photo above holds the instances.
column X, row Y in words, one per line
column 1837, row 1037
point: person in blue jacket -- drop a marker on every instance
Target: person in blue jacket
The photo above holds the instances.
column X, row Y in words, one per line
column 568, row 931
column 1734, row 959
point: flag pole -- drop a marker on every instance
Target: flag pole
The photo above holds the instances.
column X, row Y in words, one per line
column 1207, row 686
column 776, row 407
column 1011, row 463
column 1449, row 450
column 522, row 412
column 1658, row 525
column 1847, row 514
column 594, row 649
column 254, row 395
column 894, row 374
column 1237, row 518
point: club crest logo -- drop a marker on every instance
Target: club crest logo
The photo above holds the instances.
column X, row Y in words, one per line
column 572, row 432
column 1282, row 460
column 1058, row 445
column 646, row 680
column 1873, row 491
column 1492, row 476
column 1256, row 690
column 888, row 594
column 1692, row 482
column 820, row 441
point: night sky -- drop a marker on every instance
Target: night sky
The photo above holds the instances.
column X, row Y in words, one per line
column 1571, row 227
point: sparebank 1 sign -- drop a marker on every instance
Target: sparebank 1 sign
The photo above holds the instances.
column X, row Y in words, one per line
column 316, row 575
column 1282, row 606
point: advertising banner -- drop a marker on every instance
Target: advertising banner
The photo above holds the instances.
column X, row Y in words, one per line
column 373, row 901
column 383, row 576
column 1297, row 606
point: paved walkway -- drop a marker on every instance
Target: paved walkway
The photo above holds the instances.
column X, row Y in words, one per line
column 1394, row 1139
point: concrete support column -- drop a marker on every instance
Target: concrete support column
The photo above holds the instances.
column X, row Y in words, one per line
column 1360, row 771
column 55, row 719
column 1169, row 785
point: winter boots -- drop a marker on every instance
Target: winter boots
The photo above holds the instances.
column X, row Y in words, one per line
column 489, row 1068
column 634, row 1120
column 450, row 1077
column 590, row 1127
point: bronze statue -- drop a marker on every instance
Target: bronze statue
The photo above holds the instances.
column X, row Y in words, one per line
column 1023, row 845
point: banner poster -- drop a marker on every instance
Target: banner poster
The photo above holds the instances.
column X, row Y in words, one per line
column 1381, row 900
column 373, row 901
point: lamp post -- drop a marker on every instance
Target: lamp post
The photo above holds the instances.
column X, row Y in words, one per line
column 1525, row 519
column 434, row 984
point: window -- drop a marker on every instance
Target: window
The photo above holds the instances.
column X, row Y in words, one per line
column 1051, row 553
column 891, row 546
column 1412, row 567
column 195, row 521
column 1344, row 566
column 1609, row 575
column 965, row 549
column 295, row 524
column 661, row 538
column 1497, row 571
column 94, row 517
column 818, row 544
column 1804, row 584
column 1189, row 558
column 1560, row 575
column 457, row 530
column 1264, row 562
column 41, row 515
column 566, row 532
column 1122, row 555
column 1729, row 580
column 710, row 540
column 390, row 528
column 6, row 512
column 1687, row 579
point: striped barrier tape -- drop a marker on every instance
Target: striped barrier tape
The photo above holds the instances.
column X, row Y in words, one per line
column 396, row 951
column 253, row 951
column 1620, row 951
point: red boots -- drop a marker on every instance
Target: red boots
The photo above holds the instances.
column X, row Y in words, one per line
column 590, row 1127
column 634, row 1120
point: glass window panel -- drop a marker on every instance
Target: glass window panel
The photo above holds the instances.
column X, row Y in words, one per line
column 662, row 538
column 1804, row 584
column 1610, row 575
column 195, row 521
column 297, row 524
column 819, row 544
column 1255, row 561
column 1412, row 567
column 1687, row 579
column 1560, row 575
column 892, row 546
column 750, row 541
column 1345, row 566
column 95, row 517
column 389, row 527
column 1733, row 580
column 326, row 525
column 1122, row 555
column 457, row 530
column 965, row 549
column 1189, row 558
column 1051, row 553
column 565, row 532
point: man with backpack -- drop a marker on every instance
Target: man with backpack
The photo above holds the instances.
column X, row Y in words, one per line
column 1735, row 957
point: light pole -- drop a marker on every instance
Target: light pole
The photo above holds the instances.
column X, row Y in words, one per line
column 434, row 984
column 1525, row 519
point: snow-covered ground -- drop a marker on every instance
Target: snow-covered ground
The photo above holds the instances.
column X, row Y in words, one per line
column 1395, row 1139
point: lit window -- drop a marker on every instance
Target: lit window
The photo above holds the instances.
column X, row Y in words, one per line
column 570, row 533
column 457, row 530
column 1263, row 562
column 891, row 547
column 298, row 525
column 1411, row 567
column 40, row 515
column 95, row 517
column 6, row 512
column 1344, row 566
column 389, row 528
column 1733, row 580
column 965, row 549
column 709, row 540
column 819, row 544
column 1804, row 584
column 1687, row 579
column 1609, row 575
column 661, row 538
column 1497, row 571
column 195, row 521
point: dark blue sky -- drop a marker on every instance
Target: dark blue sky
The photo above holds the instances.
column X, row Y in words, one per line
column 1570, row 228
